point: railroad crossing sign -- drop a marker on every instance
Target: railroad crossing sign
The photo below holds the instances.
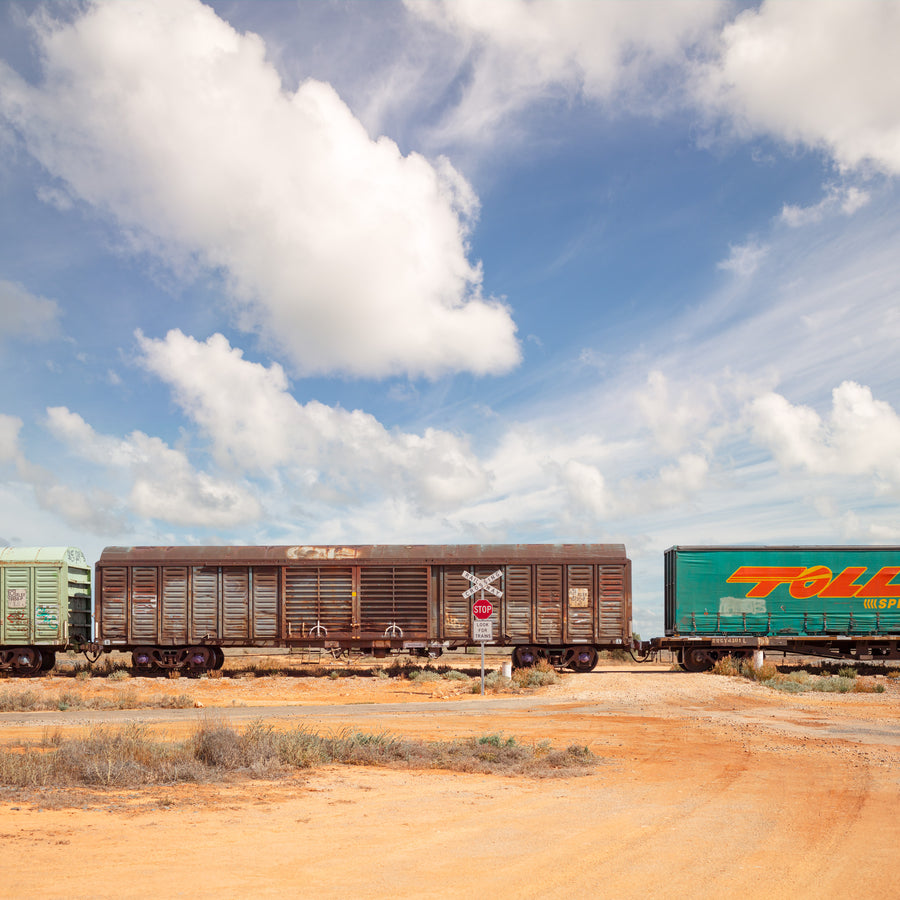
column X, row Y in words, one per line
column 482, row 584
column 482, row 627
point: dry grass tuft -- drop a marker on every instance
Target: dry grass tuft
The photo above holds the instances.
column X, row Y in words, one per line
column 104, row 757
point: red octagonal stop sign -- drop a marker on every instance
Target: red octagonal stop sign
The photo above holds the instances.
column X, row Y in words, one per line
column 482, row 609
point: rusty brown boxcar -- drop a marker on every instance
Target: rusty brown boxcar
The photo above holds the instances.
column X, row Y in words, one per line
column 177, row 607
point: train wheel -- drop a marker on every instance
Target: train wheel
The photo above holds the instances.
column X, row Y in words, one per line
column 696, row 659
column 584, row 659
column 48, row 660
column 27, row 661
column 199, row 659
column 142, row 659
column 219, row 657
column 525, row 657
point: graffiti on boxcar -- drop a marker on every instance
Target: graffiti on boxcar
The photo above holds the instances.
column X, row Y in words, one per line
column 322, row 553
column 48, row 616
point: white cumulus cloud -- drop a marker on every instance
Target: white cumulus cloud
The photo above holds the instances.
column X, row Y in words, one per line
column 164, row 485
column 859, row 436
column 254, row 423
column 342, row 252
column 817, row 73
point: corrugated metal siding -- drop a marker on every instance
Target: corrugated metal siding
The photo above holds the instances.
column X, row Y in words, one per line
column 264, row 580
column 580, row 603
column 394, row 596
column 174, row 605
column 316, row 599
column 235, row 603
column 17, row 615
column 614, row 616
column 549, row 604
column 204, row 603
column 113, row 596
column 48, row 585
column 144, row 604
column 457, row 610
column 519, row 599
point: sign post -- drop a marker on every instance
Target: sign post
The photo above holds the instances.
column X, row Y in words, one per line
column 482, row 610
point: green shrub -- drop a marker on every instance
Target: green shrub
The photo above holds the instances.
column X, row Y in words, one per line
column 455, row 675
column 424, row 675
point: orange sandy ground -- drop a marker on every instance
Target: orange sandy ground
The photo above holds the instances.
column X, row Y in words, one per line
column 707, row 785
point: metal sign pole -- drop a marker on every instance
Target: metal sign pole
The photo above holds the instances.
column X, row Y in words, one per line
column 482, row 656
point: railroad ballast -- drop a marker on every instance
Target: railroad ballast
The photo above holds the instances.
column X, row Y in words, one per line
column 178, row 607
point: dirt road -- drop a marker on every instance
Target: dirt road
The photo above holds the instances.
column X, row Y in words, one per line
column 707, row 785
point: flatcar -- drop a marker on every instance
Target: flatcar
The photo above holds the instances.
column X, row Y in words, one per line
column 830, row 602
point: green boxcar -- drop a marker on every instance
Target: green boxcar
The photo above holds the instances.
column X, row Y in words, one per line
column 45, row 602
column 782, row 591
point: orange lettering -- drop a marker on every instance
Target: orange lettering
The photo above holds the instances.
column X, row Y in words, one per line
column 810, row 582
column 879, row 585
column 843, row 584
column 766, row 578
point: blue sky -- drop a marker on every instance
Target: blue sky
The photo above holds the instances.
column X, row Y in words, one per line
column 515, row 271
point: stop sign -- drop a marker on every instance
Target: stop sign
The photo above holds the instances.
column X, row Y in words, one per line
column 482, row 609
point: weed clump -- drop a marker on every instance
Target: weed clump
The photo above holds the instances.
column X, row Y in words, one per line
column 538, row 675
column 800, row 681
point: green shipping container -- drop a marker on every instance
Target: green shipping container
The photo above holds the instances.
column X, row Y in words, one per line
column 45, row 597
column 782, row 591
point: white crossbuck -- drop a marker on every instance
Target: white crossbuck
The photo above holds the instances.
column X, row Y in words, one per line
column 483, row 584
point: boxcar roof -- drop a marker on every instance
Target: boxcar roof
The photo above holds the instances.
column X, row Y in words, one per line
column 47, row 555
column 452, row 554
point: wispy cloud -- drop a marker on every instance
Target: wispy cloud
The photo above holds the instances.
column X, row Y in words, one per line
column 845, row 199
column 744, row 259
column 24, row 315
